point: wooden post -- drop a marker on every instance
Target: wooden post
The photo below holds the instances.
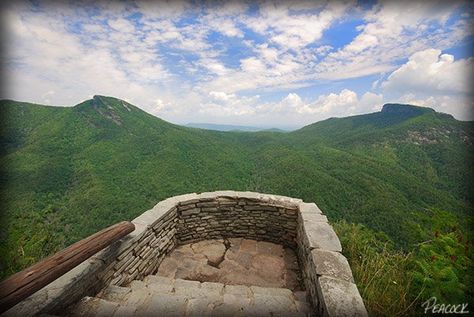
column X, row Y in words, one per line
column 19, row 286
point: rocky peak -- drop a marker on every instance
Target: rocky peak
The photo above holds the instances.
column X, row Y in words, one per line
column 405, row 109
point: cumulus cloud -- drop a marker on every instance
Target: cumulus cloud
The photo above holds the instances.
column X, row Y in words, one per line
column 460, row 106
column 346, row 102
column 182, row 60
column 291, row 26
column 432, row 72
column 433, row 79
column 393, row 32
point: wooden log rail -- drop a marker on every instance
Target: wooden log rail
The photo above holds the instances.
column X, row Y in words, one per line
column 19, row 286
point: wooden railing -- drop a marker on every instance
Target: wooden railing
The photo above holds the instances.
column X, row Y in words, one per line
column 19, row 286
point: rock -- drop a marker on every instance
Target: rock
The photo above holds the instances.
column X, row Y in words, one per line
column 320, row 235
column 207, row 273
column 189, row 289
column 249, row 246
column 290, row 280
column 291, row 261
column 244, row 259
column 159, row 284
column 214, row 289
column 168, row 267
column 165, row 305
column 202, row 306
column 213, row 250
column 238, row 290
column 115, row 293
column 273, row 249
column 332, row 264
column 276, row 305
column 268, row 266
column 340, row 298
column 232, row 305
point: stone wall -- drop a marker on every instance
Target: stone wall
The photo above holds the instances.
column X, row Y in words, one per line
column 194, row 217
column 231, row 215
column 327, row 274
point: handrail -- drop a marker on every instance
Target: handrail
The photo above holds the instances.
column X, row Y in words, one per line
column 19, row 286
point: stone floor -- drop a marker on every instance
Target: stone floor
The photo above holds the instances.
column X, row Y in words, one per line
column 231, row 277
column 161, row 296
column 234, row 261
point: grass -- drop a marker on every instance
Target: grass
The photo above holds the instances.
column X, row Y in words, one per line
column 396, row 283
column 379, row 271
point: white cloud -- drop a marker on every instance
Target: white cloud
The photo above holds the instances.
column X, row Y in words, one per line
column 225, row 26
column 225, row 105
column 330, row 103
column 460, row 106
column 121, row 25
column 221, row 96
column 393, row 32
column 346, row 102
column 293, row 30
column 252, row 65
column 432, row 72
column 430, row 78
column 166, row 58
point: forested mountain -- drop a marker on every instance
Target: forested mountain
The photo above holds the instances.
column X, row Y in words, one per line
column 69, row 171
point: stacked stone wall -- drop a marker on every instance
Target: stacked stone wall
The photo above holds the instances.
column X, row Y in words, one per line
column 194, row 217
column 231, row 216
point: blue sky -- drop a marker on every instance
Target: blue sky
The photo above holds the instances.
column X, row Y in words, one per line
column 280, row 64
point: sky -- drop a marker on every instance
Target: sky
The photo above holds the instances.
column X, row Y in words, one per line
column 270, row 64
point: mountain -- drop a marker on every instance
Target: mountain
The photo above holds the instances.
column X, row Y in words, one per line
column 69, row 171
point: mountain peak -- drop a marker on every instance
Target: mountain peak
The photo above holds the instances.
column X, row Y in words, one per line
column 405, row 109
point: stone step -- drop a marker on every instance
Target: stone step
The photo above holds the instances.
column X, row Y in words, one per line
column 115, row 293
column 93, row 306
column 161, row 296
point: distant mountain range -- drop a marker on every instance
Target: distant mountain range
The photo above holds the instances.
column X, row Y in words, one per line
column 229, row 127
column 69, row 171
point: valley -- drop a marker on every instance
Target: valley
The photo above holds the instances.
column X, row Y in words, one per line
column 403, row 173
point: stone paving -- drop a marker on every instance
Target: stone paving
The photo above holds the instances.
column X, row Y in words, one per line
column 231, row 277
column 161, row 296
column 234, row 261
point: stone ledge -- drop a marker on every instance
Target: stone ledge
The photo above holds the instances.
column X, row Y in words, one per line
column 339, row 298
column 309, row 208
column 194, row 217
column 320, row 235
column 61, row 292
column 332, row 264
column 313, row 217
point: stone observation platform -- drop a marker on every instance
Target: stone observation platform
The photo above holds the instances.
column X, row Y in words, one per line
column 221, row 253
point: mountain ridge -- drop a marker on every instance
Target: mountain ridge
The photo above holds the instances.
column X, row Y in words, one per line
column 70, row 171
column 387, row 108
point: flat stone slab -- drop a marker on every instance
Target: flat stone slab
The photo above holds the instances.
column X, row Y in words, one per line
column 341, row 298
column 320, row 235
column 116, row 293
column 164, row 305
column 213, row 250
column 92, row 306
column 332, row 264
column 192, row 298
column 236, row 261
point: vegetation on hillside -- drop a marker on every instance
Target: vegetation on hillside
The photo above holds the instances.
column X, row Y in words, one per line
column 403, row 175
column 394, row 282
